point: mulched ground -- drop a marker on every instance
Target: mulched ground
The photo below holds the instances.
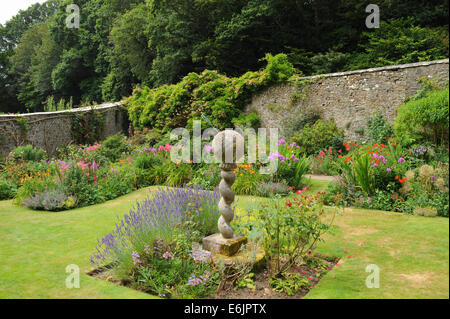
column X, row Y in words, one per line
column 264, row 290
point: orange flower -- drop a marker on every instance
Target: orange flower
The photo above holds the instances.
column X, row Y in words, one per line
column 403, row 180
column 348, row 158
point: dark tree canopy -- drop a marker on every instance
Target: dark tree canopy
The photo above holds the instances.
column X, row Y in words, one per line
column 124, row 43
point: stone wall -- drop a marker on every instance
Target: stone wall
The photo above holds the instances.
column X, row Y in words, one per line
column 348, row 97
column 50, row 130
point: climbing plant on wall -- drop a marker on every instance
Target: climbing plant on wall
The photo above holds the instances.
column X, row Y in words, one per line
column 87, row 126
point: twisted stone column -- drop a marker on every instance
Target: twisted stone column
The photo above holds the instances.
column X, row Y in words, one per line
column 228, row 148
column 226, row 199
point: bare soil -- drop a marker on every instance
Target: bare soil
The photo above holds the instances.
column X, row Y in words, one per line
column 264, row 290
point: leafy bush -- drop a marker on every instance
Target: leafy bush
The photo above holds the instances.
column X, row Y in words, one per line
column 268, row 189
column 250, row 120
column 206, row 177
column 424, row 119
column 113, row 184
column 291, row 166
column 26, row 153
column 33, row 184
column 279, row 69
column 7, row 189
column 378, row 128
column 400, row 41
column 321, row 135
column 247, row 180
column 209, row 93
column 145, row 136
column 80, row 184
column 290, row 229
column 114, row 147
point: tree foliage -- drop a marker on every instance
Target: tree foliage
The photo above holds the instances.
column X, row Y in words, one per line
column 121, row 44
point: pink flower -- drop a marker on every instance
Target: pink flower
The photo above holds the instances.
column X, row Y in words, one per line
column 208, row 148
column 302, row 190
column 401, row 160
column 388, row 169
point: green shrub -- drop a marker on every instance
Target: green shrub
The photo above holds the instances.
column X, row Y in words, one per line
column 321, row 135
column 290, row 229
column 206, row 177
column 114, row 147
column 268, row 189
column 278, row 68
column 424, row 119
column 26, row 153
column 250, row 120
column 7, row 189
column 146, row 160
column 33, row 185
column 115, row 184
column 220, row 98
column 378, row 128
column 77, row 183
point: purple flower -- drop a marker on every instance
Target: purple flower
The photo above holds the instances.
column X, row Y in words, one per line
column 281, row 141
column 388, row 169
column 401, row 160
column 136, row 258
column 158, row 213
column 375, row 165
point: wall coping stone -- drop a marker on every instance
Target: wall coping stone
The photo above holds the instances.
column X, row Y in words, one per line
column 371, row 70
column 74, row 110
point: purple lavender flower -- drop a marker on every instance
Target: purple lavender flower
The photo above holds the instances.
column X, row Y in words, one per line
column 156, row 217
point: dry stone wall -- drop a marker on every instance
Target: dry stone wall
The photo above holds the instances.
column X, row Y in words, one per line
column 50, row 130
column 348, row 97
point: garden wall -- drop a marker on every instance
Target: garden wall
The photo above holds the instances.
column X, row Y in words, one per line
column 50, row 130
column 348, row 97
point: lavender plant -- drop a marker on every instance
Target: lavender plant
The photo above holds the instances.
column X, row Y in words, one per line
column 50, row 200
column 153, row 221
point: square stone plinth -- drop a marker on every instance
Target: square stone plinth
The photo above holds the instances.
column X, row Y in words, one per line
column 217, row 244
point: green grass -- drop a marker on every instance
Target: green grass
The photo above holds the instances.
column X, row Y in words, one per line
column 411, row 252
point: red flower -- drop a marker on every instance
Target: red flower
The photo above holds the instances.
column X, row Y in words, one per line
column 288, row 203
column 403, row 180
column 396, row 177
column 348, row 158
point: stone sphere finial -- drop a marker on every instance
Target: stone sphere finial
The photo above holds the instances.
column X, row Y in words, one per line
column 228, row 146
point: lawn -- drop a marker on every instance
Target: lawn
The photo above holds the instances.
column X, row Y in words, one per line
column 410, row 251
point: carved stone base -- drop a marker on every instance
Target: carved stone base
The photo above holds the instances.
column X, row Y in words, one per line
column 217, row 244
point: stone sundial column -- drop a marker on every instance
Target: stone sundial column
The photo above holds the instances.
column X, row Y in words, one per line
column 228, row 147
column 227, row 198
